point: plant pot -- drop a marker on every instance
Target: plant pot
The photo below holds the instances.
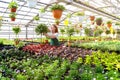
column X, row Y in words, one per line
column 13, row 19
column 92, row 18
column 57, row 14
column 13, row 9
column 109, row 25
column 31, row 3
column 98, row 22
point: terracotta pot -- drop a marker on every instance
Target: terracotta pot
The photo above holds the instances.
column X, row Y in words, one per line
column 13, row 9
column 12, row 19
column 98, row 22
column 92, row 18
column 57, row 14
column 109, row 25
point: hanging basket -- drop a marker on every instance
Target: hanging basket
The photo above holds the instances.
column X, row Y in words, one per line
column 92, row 18
column 31, row 3
column 13, row 9
column 57, row 14
column 99, row 22
column 109, row 25
column 13, row 19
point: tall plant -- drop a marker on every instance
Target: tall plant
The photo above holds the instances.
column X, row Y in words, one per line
column 62, row 31
column 70, row 31
column 40, row 29
column 16, row 30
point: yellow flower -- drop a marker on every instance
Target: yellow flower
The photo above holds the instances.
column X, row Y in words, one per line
column 66, row 22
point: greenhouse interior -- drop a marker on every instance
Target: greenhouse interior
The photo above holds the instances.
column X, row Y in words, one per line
column 59, row 40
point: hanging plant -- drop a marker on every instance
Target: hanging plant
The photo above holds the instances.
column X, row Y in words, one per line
column 42, row 10
column 13, row 6
column 92, row 18
column 31, row 3
column 57, row 10
column 12, row 16
column 99, row 21
column 36, row 18
column 109, row 24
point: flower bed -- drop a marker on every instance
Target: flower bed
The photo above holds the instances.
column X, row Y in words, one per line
column 60, row 51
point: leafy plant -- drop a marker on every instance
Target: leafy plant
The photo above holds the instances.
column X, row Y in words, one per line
column 62, row 31
column 57, row 7
column 80, row 14
column 40, row 29
column 36, row 18
column 16, row 30
column 109, row 22
column 13, row 4
column 70, row 31
column 12, row 15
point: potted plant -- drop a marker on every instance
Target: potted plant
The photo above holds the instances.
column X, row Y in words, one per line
column 57, row 10
column 109, row 24
column 62, row 31
column 13, row 6
column 31, row 3
column 99, row 21
column 12, row 16
column 92, row 18
column 70, row 32
column 16, row 30
column 40, row 29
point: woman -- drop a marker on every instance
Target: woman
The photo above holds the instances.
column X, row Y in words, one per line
column 53, row 35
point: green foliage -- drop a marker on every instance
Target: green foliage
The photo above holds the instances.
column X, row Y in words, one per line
column 62, row 31
column 87, row 31
column 80, row 14
column 117, row 23
column 57, row 7
column 42, row 10
column 70, row 31
column 36, row 18
column 103, row 45
column 98, row 32
column 13, row 4
column 12, row 15
column 41, row 28
column 97, row 19
column 109, row 22
column 16, row 30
